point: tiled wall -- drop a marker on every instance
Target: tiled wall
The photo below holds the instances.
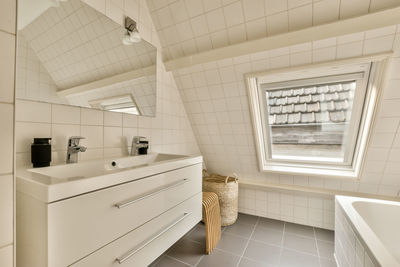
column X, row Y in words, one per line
column 301, row 208
column 215, row 98
column 109, row 134
column 33, row 82
column 7, row 59
column 190, row 26
column 350, row 250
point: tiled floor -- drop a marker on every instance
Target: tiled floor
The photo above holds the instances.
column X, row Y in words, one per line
column 254, row 242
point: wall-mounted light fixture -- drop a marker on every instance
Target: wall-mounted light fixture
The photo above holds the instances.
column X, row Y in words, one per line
column 132, row 34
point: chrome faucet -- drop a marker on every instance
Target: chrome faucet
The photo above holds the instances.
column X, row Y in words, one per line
column 73, row 149
column 139, row 142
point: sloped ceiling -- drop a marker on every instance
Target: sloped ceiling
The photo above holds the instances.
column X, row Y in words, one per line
column 187, row 27
column 77, row 45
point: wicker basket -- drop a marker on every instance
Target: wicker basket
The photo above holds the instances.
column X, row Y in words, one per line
column 227, row 189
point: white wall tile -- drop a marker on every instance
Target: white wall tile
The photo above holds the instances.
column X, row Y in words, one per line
column 6, row 210
column 112, row 119
column 32, row 111
column 66, row 114
column 93, row 136
column 26, row 131
column 60, row 134
column 6, row 256
column 91, row 117
column 112, row 137
column 6, row 135
column 7, row 53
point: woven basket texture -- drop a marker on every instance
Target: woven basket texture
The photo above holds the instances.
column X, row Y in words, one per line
column 227, row 189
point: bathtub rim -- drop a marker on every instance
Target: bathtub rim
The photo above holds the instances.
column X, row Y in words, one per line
column 362, row 230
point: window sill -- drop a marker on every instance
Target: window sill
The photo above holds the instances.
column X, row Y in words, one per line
column 310, row 170
column 309, row 190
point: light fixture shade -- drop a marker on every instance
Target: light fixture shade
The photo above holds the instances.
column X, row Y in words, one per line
column 126, row 40
column 135, row 37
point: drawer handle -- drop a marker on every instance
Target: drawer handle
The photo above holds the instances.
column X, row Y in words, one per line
column 135, row 250
column 128, row 202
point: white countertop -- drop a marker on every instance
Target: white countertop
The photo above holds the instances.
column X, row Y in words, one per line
column 48, row 188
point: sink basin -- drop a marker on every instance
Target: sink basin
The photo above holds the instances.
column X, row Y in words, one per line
column 101, row 167
column 59, row 182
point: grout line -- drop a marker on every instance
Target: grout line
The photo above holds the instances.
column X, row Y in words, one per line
column 248, row 241
column 316, row 245
column 178, row 260
column 283, row 237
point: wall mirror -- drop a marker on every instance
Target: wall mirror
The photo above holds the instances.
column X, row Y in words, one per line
column 69, row 53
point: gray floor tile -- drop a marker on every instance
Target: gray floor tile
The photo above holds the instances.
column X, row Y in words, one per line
column 243, row 230
column 262, row 252
column 244, row 262
column 323, row 234
column 327, row 263
column 268, row 235
column 166, row 261
column 271, row 223
column 187, row 251
column 198, row 234
column 298, row 229
column 219, row 258
column 232, row 243
column 290, row 258
column 326, row 249
column 247, row 219
column 300, row 243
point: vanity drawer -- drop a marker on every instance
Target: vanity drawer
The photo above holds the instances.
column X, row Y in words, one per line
column 83, row 224
column 143, row 245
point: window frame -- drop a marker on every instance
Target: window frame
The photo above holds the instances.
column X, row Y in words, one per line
column 257, row 103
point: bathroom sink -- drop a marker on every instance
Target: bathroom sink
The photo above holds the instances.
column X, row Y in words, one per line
column 101, row 167
column 58, row 182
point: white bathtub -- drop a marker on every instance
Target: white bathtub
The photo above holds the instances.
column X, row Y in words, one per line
column 375, row 225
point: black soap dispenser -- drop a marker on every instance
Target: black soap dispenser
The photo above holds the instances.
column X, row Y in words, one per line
column 41, row 152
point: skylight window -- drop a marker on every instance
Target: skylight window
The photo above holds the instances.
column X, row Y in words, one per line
column 314, row 120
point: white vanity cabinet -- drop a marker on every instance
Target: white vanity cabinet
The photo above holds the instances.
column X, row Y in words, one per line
column 128, row 224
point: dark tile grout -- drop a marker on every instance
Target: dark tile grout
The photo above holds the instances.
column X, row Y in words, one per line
column 249, row 239
column 248, row 242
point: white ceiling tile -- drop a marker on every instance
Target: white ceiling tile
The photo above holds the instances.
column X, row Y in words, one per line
column 194, row 7
column 233, row 14
column 380, row 32
column 350, row 38
column 178, row 8
column 256, row 29
column 300, row 18
column 350, row 50
column 297, row 3
column 189, row 47
column 275, row 6
column 324, row 43
column 352, row 8
column 203, row 43
column 324, row 54
column 383, row 4
column 184, row 30
column 277, row 23
column 237, row 34
column 170, row 35
column 164, row 16
column 215, row 20
column 211, row 4
column 378, row 45
column 199, row 25
column 325, row 11
column 219, row 39
column 253, row 9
